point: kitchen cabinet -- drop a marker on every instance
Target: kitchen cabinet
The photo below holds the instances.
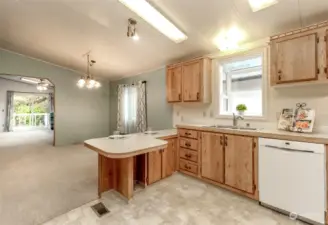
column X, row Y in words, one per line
column 154, row 166
column 169, row 158
column 189, row 81
column 192, row 82
column 162, row 163
column 299, row 56
column 173, row 83
column 296, row 59
column 239, row 162
column 212, row 156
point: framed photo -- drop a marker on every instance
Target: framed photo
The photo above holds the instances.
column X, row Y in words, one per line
column 304, row 120
column 286, row 120
column 300, row 120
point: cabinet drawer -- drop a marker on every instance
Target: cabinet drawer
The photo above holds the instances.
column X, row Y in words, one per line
column 187, row 166
column 188, row 133
column 189, row 143
column 189, row 155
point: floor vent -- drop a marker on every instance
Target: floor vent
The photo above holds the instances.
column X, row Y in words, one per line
column 100, row 209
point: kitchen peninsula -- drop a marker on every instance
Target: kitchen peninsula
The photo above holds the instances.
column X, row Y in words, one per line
column 137, row 157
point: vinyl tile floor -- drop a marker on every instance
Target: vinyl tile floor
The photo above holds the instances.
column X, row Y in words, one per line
column 177, row 200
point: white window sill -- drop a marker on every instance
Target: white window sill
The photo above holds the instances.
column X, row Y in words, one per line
column 246, row 117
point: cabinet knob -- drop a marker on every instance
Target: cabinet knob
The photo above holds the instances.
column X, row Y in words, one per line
column 179, row 97
column 221, row 141
column 226, row 140
column 197, row 95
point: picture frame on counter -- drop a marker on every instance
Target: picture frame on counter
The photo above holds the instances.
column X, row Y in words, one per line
column 299, row 120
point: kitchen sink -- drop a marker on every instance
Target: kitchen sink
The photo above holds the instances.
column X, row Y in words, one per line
column 232, row 127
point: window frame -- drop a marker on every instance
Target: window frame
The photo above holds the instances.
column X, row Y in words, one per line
column 217, row 81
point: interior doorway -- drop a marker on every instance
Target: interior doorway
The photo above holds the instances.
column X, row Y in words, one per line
column 29, row 111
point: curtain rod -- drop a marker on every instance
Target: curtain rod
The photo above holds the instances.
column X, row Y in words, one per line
column 142, row 82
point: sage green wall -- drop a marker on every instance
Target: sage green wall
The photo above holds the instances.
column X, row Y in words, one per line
column 80, row 114
column 159, row 112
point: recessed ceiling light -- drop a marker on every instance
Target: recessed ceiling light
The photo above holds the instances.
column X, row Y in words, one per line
column 229, row 39
column 155, row 18
column 258, row 5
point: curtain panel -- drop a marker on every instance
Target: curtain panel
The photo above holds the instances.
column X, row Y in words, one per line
column 132, row 113
column 9, row 112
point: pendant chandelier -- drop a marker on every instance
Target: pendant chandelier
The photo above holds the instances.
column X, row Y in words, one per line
column 88, row 81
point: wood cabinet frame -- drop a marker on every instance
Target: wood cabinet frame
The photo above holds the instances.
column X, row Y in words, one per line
column 316, row 69
column 321, row 32
column 255, row 194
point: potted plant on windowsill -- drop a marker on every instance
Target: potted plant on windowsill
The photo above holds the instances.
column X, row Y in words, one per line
column 241, row 108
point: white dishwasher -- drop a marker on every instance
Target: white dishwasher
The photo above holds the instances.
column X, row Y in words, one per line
column 292, row 178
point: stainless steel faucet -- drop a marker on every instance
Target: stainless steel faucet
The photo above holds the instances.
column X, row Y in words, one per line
column 235, row 119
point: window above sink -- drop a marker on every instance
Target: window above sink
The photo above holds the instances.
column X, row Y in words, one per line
column 241, row 80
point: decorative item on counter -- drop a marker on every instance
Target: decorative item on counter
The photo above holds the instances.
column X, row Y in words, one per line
column 286, row 120
column 301, row 120
column 304, row 118
column 241, row 108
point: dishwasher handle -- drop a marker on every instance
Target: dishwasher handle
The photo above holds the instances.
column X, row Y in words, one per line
column 289, row 149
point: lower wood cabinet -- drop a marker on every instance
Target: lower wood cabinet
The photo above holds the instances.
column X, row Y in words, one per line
column 239, row 162
column 212, row 157
column 162, row 163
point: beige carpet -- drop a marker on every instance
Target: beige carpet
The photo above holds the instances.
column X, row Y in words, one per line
column 38, row 181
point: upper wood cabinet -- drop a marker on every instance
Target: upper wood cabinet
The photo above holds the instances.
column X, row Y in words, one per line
column 299, row 56
column 173, row 83
column 189, row 81
column 212, row 157
column 296, row 59
column 239, row 163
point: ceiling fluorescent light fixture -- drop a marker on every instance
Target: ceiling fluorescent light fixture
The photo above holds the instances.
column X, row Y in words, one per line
column 33, row 81
column 258, row 5
column 146, row 11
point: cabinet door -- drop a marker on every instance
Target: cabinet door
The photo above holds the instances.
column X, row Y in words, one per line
column 212, row 156
column 297, row 59
column 169, row 158
column 154, row 166
column 173, row 84
column 239, row 162
column 192, row 81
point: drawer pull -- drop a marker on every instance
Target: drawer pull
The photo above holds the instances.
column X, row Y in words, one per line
column 188, row 155
column 187, row 167
column 187, row 133
column 187, row 144
column 221, row 140
column 226, row 140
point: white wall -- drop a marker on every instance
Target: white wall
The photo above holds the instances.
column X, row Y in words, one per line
column 9, row 85
column 316, row 97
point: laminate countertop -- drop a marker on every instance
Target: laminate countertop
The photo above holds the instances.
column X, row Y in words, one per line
column 130, row 145
column 319, row 138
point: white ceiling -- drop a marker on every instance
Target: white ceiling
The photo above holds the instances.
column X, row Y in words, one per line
column 61, row 31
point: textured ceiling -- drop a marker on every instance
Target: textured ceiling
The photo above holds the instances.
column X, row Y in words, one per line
column 61, row 31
